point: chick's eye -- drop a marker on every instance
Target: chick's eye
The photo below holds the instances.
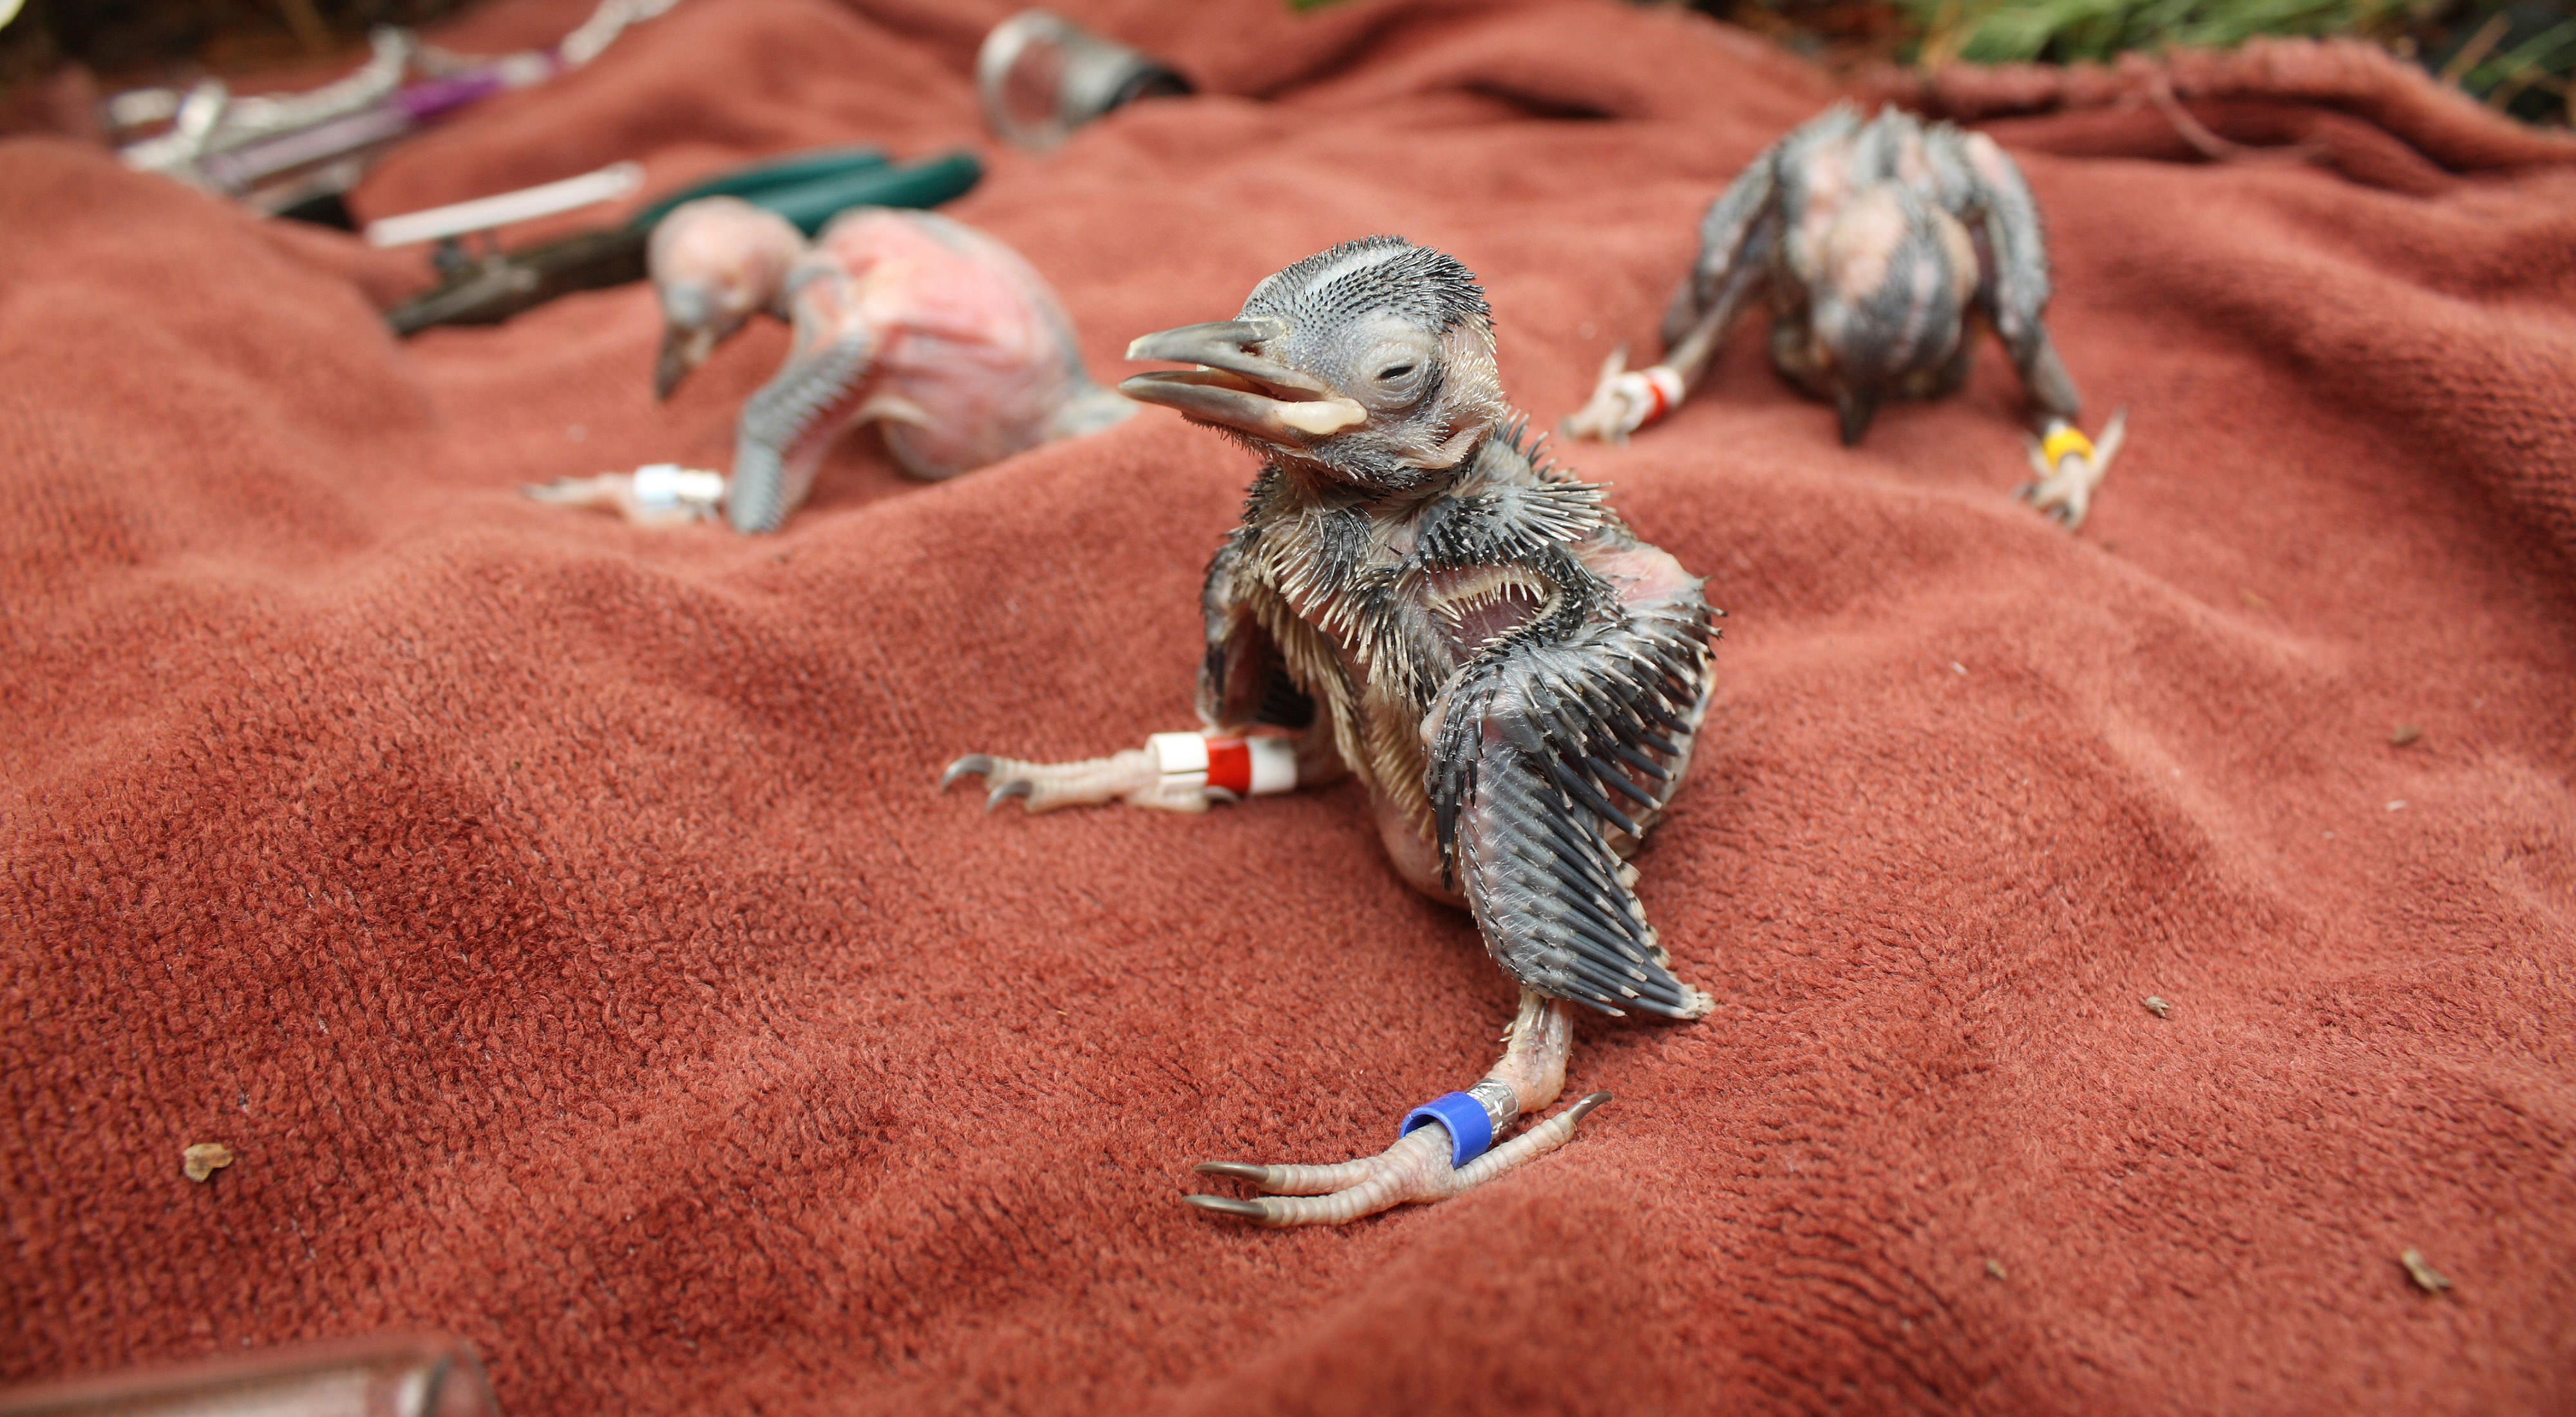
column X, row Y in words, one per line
column 1394, row 371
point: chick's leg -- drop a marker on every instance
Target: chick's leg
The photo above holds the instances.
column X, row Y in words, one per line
column 1736, row 240
column 1134, row 777
column 1173, row 772
column 661, row 495
column 1419, row 1167
column 1625, row 400
column 2067, row 468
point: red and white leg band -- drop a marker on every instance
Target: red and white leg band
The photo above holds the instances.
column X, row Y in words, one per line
column 1646, row 395
column 1246, row 767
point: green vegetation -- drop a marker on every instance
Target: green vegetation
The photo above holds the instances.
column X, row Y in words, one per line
column 2516, row 56
column 2517, row 64
column 2069, row 31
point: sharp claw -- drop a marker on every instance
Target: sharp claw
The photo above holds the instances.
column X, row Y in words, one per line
column 1007, row 791
column 1228, row 1205
column 1236, row 1170
column 1576, row 1112
column 973, row 763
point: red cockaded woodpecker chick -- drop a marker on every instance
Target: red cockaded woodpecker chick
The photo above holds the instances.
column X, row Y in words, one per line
column 1883, row 246
column 1417, row 599
column 927, row 327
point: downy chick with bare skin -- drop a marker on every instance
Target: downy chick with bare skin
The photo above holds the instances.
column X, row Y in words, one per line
column 938, row 333
column 1417, row 598
column 1883, row 245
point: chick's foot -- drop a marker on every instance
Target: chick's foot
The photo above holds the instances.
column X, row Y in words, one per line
column 1417, row 1168
column 1443, row 1150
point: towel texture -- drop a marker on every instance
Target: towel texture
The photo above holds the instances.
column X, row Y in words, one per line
column 559, row 923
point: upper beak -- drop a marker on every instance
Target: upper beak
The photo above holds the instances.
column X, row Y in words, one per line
column 682, row 351
column 1237, row 389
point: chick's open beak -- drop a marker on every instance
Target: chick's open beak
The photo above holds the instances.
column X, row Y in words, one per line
column 1236, row 389
column 682, row 350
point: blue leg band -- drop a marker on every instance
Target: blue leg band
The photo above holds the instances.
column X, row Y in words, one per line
column 1471, row 1132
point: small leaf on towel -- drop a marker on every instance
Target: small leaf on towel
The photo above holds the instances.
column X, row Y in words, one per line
column 205, row 1159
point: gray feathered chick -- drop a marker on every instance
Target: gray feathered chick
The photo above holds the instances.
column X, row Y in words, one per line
column 1882, row 245
column 1415, row 596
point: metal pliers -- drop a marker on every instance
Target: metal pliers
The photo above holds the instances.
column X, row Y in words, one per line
column 808, row 189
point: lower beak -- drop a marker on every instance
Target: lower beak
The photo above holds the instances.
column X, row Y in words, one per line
column 1854, row 409
column 682, row 351
column 1237, row 389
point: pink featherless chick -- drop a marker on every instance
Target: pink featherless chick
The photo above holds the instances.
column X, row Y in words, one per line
column 936, row 332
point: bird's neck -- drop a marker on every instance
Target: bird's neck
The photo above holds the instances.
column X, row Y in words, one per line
column 1391, row 492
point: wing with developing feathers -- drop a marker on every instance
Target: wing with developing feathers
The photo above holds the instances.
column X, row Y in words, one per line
column 1735, row 240
column 779, row 439
column 786, row 427
column 2016, row 288
column 1544, row 750
column 1243, row 679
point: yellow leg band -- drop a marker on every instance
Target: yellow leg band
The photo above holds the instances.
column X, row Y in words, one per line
column 2062, row 439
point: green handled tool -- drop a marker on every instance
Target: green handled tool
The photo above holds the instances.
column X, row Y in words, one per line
column 808, row 189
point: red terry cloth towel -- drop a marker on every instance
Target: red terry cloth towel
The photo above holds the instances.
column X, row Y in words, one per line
column 560, row 924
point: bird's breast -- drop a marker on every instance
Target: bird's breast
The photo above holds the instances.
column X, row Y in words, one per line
column 1476, row 605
